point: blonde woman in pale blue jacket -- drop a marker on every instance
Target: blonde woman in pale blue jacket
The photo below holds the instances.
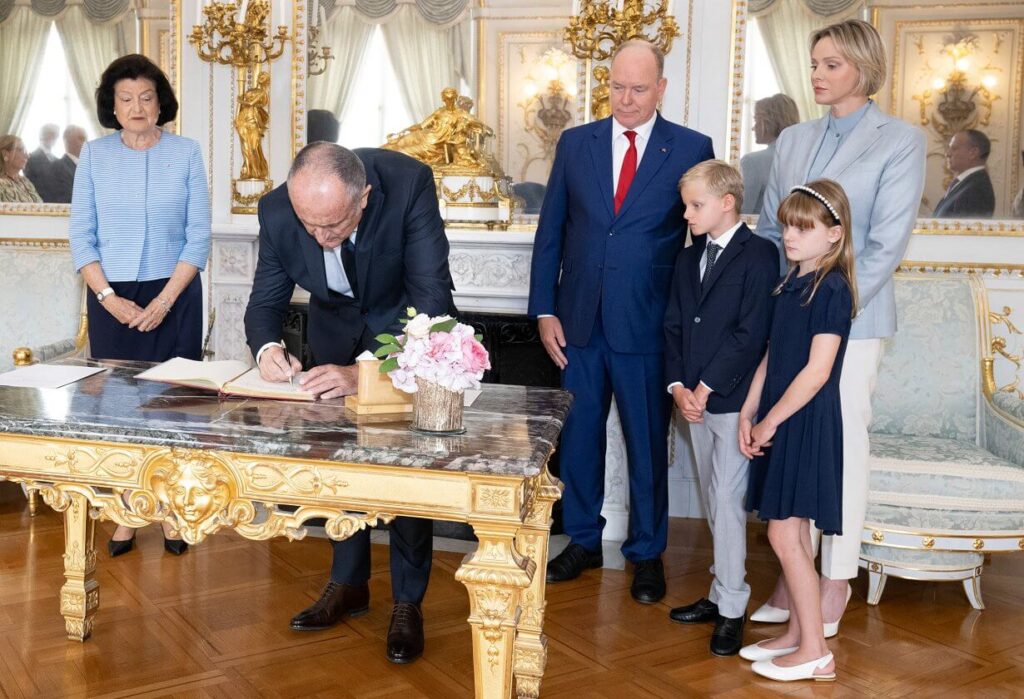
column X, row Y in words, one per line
column 880, row 163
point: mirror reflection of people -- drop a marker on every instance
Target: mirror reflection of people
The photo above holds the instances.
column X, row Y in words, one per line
column 322, row 125
column 879, row 161
column 970, row 193
column 38, row 167
column 140, row 230
column 62, row 171
column 1018, row 201
column 329, row 230
column 14, row 186
column 771, row 116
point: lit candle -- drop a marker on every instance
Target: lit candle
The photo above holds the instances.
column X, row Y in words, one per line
column 282, row 12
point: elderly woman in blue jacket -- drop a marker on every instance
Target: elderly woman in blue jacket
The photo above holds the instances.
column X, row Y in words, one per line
column 140, row 229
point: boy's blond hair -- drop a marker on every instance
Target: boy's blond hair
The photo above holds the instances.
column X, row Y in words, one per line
column 719, row 177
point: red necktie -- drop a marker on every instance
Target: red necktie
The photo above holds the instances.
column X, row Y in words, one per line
column 627, row 171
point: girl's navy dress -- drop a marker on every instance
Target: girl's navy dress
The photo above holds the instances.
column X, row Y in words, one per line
column 801, row 474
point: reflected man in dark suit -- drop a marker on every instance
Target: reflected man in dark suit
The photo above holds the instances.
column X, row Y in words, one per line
column 37, row 169
column 970, row 194
column 361, row 232
column 62, row 172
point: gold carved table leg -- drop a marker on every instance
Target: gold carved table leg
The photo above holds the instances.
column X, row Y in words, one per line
column 495, row 576
column 80, row 596
column 531, row 646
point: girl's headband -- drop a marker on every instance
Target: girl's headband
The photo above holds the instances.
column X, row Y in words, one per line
column 820, row 197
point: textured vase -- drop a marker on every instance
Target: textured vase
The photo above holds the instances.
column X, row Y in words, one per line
column 435, row 408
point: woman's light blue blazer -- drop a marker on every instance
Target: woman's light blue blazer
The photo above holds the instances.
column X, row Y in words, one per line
column 881, row 166
column 139, row 213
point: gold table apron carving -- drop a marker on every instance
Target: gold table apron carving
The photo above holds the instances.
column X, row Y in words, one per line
column 200, row 491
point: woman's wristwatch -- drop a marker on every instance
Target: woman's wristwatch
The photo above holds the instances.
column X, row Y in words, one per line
column 104, row 293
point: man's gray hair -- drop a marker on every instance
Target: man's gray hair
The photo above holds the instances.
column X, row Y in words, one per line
column 330, row 159
column 659, row 55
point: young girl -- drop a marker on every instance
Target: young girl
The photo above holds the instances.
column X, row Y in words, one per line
column 791, row 425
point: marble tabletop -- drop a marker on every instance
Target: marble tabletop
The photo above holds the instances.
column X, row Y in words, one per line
column 510, row 430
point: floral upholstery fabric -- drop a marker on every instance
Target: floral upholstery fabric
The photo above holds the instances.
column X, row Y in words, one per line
column 921, row 560
column 928, row 379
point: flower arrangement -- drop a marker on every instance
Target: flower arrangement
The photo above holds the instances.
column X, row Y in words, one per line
column 439, row 349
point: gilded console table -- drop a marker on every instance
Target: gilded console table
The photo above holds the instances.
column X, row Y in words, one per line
column 136, row 452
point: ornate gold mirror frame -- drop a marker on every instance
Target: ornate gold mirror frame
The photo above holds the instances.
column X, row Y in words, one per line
column 168, row 54
column 924, row 226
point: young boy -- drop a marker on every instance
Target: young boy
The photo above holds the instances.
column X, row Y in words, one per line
column 716, row 329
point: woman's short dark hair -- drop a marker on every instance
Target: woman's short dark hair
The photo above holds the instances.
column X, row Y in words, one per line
column 132, row 67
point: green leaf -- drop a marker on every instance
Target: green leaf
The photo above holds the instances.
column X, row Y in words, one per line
column 388, row 365
column 385, row 350
column 386, row 339
column 444, row 326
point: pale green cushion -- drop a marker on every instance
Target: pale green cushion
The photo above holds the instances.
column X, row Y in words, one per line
column 1003, row 437
column 928, row 378
column 920, row 559
column 1010, row 404
column 953, row 522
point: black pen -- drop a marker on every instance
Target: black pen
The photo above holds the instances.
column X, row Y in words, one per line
column 288, row 358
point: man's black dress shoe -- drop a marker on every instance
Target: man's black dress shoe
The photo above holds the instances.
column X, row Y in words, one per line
column 175, row 546
column 336, row 601
column 118, row 548
column 405, row 635
column 572, row 561
column 648, row 581
column 727, row 638
column 699, row 612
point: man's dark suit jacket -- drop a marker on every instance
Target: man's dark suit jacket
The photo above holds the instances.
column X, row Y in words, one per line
column 717, row 334
column 401, row 261
column 62, row 180
column 972, row 198
column 37, row 170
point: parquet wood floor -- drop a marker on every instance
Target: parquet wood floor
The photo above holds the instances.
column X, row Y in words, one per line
column 214, row 623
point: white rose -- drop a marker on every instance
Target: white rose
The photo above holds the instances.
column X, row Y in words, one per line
column 418, row 326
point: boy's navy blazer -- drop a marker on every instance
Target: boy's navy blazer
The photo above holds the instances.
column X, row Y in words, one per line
column 718, row 334
column 586, row 256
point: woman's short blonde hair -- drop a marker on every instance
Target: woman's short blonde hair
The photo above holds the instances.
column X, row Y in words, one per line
column 860, row 44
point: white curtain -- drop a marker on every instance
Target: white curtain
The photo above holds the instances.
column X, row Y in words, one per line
column 22, row 42
column 347, row 33
column 426, row 58
column 786, row 27
column 90, row 48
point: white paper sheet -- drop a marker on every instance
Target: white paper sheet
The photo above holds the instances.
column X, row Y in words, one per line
column 47, row 375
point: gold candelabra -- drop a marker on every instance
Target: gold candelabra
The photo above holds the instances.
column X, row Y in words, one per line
column 247, row 46
column 602, row 25
column 317, row 56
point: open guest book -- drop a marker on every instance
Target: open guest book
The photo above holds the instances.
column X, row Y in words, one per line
column 228, row 377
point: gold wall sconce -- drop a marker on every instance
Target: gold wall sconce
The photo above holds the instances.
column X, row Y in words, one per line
column 317, row 56
column 602, row 25
column 248, row 46
column 957, row 104
column 549, row 90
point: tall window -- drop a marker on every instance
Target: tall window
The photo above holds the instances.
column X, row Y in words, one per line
column 759, row 81
column 376, row 108
column 54, row 99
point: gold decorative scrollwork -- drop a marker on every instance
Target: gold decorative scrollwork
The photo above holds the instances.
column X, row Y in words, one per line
column 85, row 461
column 301, row 480
column 494, row 499
column 492, row 607
column 1000, row 346
column 470, row 189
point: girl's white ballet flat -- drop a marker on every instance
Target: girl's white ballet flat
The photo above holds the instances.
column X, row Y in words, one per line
column 767, row 614
column 756, row 652
column 804, row 671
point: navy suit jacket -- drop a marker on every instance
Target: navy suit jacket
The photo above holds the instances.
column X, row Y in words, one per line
column 586, row 256
column 717, row 334
column 401, row 260
column 972, row 198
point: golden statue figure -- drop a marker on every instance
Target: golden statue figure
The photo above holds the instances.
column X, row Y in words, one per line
column 450, row 138
column 600, row 107
column 251, row 123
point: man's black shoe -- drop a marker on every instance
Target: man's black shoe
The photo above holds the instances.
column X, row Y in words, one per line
column 405, row 635
column 571, row 562
column 648, row 581
column 727, row 638
column 336, row 601
column 700, row 612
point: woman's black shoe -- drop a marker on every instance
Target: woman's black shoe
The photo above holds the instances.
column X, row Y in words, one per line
column 175, row 546
column 116, row 548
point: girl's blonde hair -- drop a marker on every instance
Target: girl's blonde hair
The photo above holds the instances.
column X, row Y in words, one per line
column 825, row 202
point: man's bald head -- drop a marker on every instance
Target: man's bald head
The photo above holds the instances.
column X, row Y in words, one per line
column 327, row 188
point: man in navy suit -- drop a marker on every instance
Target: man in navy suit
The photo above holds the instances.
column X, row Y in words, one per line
column 609, row 230
column 361, row 232
column 970, row 194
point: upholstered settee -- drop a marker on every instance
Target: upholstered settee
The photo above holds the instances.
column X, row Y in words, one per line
column 947, row 449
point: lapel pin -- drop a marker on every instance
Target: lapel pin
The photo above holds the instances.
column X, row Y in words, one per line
column 664, row 150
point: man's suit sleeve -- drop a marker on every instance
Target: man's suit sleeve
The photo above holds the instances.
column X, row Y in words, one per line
column 549, row 238
column 743, row 349
column 892, row 216
column 427, row 277
column 272, row 290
